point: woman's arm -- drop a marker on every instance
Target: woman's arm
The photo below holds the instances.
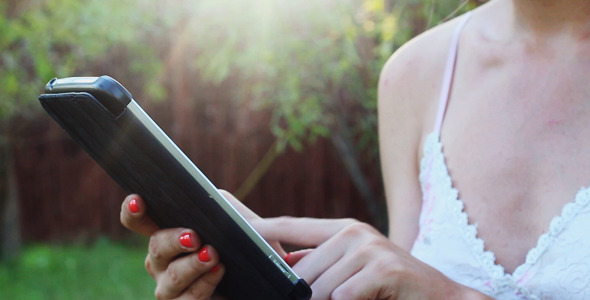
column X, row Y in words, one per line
column 408, row 93
column 399, row 139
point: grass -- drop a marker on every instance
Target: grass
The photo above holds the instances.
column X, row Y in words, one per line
column 103, row 270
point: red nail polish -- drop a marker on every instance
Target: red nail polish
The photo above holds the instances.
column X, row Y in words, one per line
column 286, row 258
column 133, row 206
column 204, row 255
column 215, row 269
column 186, row 240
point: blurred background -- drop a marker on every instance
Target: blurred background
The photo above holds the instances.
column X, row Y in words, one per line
column 274, row 100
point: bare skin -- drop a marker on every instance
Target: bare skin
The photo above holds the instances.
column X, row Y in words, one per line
column 175, row 277
column 346, row 260
column 524, row 97
column 514, row 141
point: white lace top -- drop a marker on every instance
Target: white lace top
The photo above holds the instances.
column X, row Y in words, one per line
column 558, row 267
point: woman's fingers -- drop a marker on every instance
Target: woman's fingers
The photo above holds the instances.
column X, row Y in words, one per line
column 181, row 270
column 243, row 209
column 167, row 244
column 292, row 258
column 346, row 252
column 205, row 286
column 252, row 218
column 304, row 232
column 196, row 274
column 339, row 270
column 322, row 260
column 363, row 285
column 134, row 218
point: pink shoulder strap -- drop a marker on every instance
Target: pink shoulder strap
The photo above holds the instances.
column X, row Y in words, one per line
column 448, row 75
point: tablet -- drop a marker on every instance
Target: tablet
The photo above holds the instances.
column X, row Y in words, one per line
column 102, row 116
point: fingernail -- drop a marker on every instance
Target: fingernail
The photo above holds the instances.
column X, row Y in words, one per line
column 133, row 206
column 186, row 240
column 286, row 258
column 204, row 255
column 215, row 269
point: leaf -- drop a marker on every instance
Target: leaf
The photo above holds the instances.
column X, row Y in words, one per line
column 9, row 84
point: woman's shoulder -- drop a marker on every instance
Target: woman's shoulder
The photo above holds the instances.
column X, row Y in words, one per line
column 422, row 60
column 412, row 76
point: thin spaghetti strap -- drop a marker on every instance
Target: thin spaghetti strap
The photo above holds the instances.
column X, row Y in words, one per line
column 448, row 75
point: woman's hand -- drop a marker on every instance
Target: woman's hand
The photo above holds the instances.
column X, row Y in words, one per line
column 192, row 276
column 346, row 259
column 352, row 260
column 182, row 266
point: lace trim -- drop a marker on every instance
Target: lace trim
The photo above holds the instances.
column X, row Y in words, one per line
column 502, row 280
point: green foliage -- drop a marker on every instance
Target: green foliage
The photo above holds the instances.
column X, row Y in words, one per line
column 105, row 270
column 315, row 63
column 45, row 39
column 293, row 56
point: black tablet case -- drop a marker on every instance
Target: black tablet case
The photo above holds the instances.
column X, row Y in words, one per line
column 129, row 154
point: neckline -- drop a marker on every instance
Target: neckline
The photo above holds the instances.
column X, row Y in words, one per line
column 433, row 149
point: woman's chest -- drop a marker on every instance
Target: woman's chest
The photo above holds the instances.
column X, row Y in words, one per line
column 517, row 157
